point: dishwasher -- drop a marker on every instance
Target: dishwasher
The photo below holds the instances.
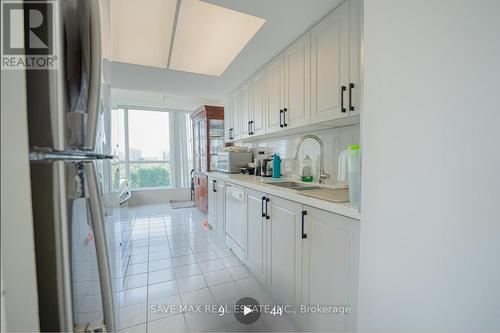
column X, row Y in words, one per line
column 236, row 226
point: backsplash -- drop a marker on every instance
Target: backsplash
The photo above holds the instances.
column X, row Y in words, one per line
column 334, row 139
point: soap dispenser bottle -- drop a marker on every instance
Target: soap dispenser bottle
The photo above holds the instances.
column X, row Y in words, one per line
column 306, row 175
column 276, row 166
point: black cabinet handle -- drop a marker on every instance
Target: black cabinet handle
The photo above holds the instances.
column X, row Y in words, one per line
column 304, row 213
column 351, row 87
column 231, row 134
column 267, row 215
column 251, row 127
column 285, row 110
column 263, row 200
column 213, row 185
column 342, row 89
column 281, row 114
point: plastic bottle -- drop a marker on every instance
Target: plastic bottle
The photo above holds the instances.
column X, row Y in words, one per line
column 276, row 166
column 307, row 169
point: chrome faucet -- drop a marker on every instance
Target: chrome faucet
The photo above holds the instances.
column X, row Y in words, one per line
column 322, row 173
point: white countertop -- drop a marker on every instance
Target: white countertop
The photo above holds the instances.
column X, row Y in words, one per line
column 262, row 184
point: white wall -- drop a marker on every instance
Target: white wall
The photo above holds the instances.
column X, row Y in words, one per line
column 430, row 232
column 18, row 247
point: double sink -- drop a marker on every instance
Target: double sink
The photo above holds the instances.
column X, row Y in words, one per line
column 324, row 193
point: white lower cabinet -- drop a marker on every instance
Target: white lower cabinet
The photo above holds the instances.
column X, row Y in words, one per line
column 285, row 250
column 307, row 257
column 330, row 254
column 216, row 205
column 257, row 234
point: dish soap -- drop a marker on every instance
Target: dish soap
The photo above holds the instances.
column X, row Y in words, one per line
column 307, row 169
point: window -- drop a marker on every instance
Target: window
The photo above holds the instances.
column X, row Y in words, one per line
column 146, row 150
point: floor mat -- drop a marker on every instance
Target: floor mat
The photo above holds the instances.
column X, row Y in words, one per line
column 177, row 204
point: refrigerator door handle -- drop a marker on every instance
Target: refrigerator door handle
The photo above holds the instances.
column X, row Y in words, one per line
column 94, row 98
column 97, row 217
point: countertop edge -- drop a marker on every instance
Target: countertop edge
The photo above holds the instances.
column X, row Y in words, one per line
column 254, row 183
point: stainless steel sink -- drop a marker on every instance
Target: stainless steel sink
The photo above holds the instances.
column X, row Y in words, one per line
column 295, row 186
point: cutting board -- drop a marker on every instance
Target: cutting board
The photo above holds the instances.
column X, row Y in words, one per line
column 331, row 194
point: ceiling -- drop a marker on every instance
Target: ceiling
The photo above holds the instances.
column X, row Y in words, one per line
column 286, row 20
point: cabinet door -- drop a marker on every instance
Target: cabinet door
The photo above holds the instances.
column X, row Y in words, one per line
column 285, row 249
column 246, row 108
column 236, row 114
column 258, row 103
column 228, row 119
column 212, row 203
column 355, row 26
column 256, row 223
column 330, row 255
column 298, row 83
column 330, row 66
column 275, row 71
column 220, row 206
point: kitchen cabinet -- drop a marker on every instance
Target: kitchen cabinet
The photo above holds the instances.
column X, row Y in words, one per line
column 258, row 107
column 232, row 117
column 275, row 72
column 216, row 205
column 297, row 98
column 335, row 63
column 284, row 249
column 330, row 66
column 330, row 254
column 246, row 108
column 257, row 234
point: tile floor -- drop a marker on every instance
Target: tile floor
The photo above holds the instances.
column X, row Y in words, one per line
column 175, row 261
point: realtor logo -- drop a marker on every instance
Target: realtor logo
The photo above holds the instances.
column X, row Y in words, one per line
column 28, row 34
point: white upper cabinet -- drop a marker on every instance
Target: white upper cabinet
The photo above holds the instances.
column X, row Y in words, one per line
column 355, row 26
column 236, row 115
column 275, row 71
column 246, row 108
column 297, row 99
column 317, row 79
column 259, row 92
column 228, row 120
column 330, row 66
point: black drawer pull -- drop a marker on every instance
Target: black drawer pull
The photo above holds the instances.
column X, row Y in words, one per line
column 304, row 235
column 351, row 87
column 263, row 200
column 342, row 108
column 285, row 110
column 267, row 215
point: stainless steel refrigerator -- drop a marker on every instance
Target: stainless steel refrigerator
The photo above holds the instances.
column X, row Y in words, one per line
column 78, row 232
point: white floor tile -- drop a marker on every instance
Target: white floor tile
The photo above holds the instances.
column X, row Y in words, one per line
column 174, row 323
column 136, row 281
column 161, row 276
column 156, row 265
column 137, row 269
column 217, row 277
column 191, row 283
column 162, row 290
column 204, row 256
column 232, row 261
column 239, row 272
column 211, row 265
column 164, row 307
column 187, row 270
column 181, row 251
column 200, row 296
column 132, row 296
column 159, row 255
column 132, row 315
column 183, row 260
column 141, row 328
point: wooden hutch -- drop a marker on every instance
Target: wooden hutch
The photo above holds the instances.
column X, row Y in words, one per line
column 208, row 140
